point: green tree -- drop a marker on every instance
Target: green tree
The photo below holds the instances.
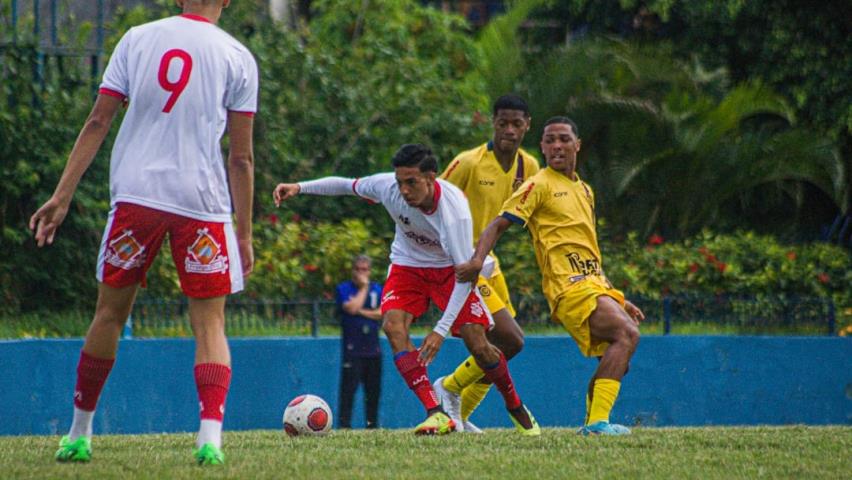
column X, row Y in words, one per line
column 668, row 145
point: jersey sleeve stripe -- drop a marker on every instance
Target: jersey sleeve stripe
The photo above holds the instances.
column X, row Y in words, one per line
column 370, row 201
column 248, row 114
column 508, row 216
column 112, row 93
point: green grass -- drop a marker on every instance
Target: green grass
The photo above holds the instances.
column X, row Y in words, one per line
column 751, row 452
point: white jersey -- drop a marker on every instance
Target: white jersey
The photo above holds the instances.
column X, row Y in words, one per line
column 440, row 238
column 181, row 75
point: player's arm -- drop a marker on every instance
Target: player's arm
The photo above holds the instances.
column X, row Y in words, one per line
column 469, row 271
column 323, row 186
column 241, row 177
column 47, row 219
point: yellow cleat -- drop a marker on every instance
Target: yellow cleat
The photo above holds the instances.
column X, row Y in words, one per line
column 534, row 431
column 436, row 424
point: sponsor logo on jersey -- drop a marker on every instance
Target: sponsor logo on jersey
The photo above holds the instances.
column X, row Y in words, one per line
column 585, row 267
column 205, row 255
column 560, row 194
column 125, row 252
column 484, row 291
column 517, row 183
column 404, row 219
column 422, row 240
column 487, row 183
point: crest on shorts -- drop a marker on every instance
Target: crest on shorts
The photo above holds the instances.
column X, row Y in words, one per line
column 205, row 255
column 476, row 309
column 125, row 252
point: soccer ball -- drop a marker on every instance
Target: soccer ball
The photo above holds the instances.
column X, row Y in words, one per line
column 307, row 415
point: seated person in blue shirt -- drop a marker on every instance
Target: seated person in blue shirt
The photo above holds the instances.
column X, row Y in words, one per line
column 361, row 318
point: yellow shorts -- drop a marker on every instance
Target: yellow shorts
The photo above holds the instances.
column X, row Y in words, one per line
column 576, row 305
column 495, row 293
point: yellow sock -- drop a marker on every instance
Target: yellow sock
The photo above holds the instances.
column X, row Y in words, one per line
column 603, row 397
column 588, row 407
column 467, row 373
column 471, row 397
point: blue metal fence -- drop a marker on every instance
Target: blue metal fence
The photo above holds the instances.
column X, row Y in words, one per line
column 672, row 314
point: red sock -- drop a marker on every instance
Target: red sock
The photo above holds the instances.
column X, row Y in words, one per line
column 499, row 375
column 416, row 378
column 212, row 381
column 91, row 375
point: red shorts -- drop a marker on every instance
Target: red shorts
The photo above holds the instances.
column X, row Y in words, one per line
column 410, row 288
column 205, row 253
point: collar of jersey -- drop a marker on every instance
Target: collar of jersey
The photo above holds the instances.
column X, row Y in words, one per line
column 436, row 197
column 518, row 156
column 198, row 18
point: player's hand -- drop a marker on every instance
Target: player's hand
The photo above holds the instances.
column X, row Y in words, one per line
column 284, row 191
column 429, row 348
column 468, row 271
column 246, row 256
column 634, row 312
column 47, row 219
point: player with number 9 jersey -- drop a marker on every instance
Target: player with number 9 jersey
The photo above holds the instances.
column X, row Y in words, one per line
column 167, row 154
column 185, row 82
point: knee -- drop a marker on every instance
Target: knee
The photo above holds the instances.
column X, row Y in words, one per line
column 485, row 354
column 512, row 346
column 630, row 334
column 391, row 327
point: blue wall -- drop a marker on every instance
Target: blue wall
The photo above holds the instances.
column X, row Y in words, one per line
column 673, row 381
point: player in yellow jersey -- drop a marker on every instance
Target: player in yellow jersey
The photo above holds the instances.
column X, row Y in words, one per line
column 558, row 209
column 488, row 174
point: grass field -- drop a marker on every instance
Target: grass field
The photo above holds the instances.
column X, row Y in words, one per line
column 752, row 452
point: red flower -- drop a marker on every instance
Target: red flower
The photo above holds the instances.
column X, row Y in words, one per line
column 268, row 267
column 272, row 218
column 721, row 266
column 693, row 268
column 309, row 267
column 823, row 278
column 711, row 258
column 655, row 240
column 791, row 255
column 703, row 250
column 478, row 119
column 296, row 218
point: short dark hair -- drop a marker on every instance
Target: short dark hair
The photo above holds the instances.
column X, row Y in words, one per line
column 415, row 155
column 563, row 120
column 511, row 102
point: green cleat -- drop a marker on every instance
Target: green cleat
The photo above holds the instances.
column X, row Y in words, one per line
column 209, row 454
column 436, row 424
column 533, row 431
column 79, row 450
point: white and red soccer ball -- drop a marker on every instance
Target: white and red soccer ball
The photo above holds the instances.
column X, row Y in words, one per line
column 307, row 415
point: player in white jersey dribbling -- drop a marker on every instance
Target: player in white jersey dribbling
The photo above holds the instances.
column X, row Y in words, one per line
column 186, row 81
column 434, row 232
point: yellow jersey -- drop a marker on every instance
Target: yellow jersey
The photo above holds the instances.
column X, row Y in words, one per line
column 478, row 173
column 560, row 214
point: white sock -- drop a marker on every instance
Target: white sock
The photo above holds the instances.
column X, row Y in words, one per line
column 210, row 431
column 82, row 424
